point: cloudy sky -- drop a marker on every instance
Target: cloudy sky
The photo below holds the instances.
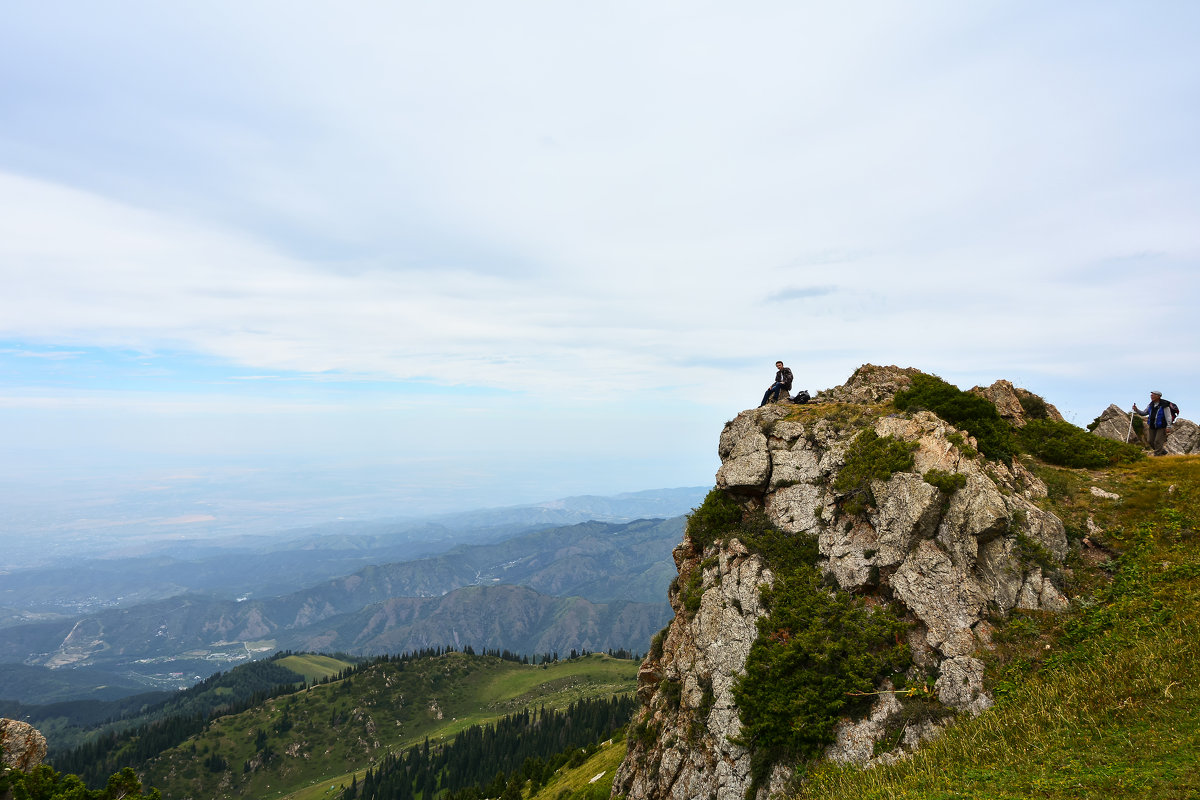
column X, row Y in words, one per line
column 411, row 256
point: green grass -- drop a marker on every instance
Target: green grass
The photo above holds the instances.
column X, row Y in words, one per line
column 1121, row 725
column 559, row 685
column 576, row 783
column 312, row 666
column 1101, row 701
column 385, row 707
column 838, row 416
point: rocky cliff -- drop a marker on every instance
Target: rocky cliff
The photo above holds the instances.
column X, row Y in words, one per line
column 949, row 542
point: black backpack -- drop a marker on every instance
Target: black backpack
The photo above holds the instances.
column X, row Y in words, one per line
column 1167, row 404
column 801, row 397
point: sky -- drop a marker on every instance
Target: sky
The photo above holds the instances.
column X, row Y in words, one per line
column 391, row 258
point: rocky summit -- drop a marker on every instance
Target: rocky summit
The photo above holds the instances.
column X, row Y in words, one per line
column 948, row 543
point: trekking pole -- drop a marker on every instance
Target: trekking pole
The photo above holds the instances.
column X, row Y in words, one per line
column 1130, row 433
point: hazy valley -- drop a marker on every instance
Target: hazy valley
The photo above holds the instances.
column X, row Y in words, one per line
column 510, row 578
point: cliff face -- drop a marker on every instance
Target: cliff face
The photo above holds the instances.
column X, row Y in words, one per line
column 689, row 719
column 947, row 558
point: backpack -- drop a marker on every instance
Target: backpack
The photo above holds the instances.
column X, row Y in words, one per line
column 1167, row 404
column 801, row 397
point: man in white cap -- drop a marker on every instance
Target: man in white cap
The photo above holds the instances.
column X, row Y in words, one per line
column 1159, row 420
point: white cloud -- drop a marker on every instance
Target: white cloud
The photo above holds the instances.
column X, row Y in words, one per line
column 645, row 201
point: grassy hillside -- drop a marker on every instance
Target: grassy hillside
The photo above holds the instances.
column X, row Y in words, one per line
column 312, row 666
column 305, row 743
column 591, row 780
column 1099, row 702
column 94, row 745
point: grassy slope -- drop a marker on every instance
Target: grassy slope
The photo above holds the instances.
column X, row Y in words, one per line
column 592, row 780
column 1101, row 702
column 338, row 730
column 312, row 666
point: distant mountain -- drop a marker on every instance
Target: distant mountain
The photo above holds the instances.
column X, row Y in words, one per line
column 654, row 503
column 588, row 576
column 497, row 617
column 260, row 566
column 596, row 560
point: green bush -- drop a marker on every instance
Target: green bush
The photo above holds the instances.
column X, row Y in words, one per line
column 45, row 783
column 644, row 734
column 815, row 645
column 818, row 657
column 716, row 517
column 656, row 644
column 708, row 697
column 976, row 414
column 870, row 457
column 692, row 592
column 961, row 444
column 721, row 516
column 1033, row 406
column 947, row 482
column 782, row 551
column 1064, row 444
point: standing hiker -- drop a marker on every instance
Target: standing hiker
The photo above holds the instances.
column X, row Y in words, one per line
column 783, row 383
column 1159, row 419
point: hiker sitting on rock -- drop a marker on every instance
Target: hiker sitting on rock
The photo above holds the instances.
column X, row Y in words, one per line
column 1159, row 420
column 783, row 383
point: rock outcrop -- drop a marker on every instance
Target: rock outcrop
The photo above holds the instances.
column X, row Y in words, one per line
column 870, row 384
column 23, row 745
column 1115, row 424
column 947, row 558
column 1017, row 406
column 1185, row 439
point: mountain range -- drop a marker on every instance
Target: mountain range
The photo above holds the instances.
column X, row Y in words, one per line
column 592, row 585
column 261, row 566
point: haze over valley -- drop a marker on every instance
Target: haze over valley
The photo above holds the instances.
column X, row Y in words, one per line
column 529, row 579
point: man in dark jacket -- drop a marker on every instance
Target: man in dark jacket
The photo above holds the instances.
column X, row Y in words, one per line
column 783, row 383
column 1159, row 422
